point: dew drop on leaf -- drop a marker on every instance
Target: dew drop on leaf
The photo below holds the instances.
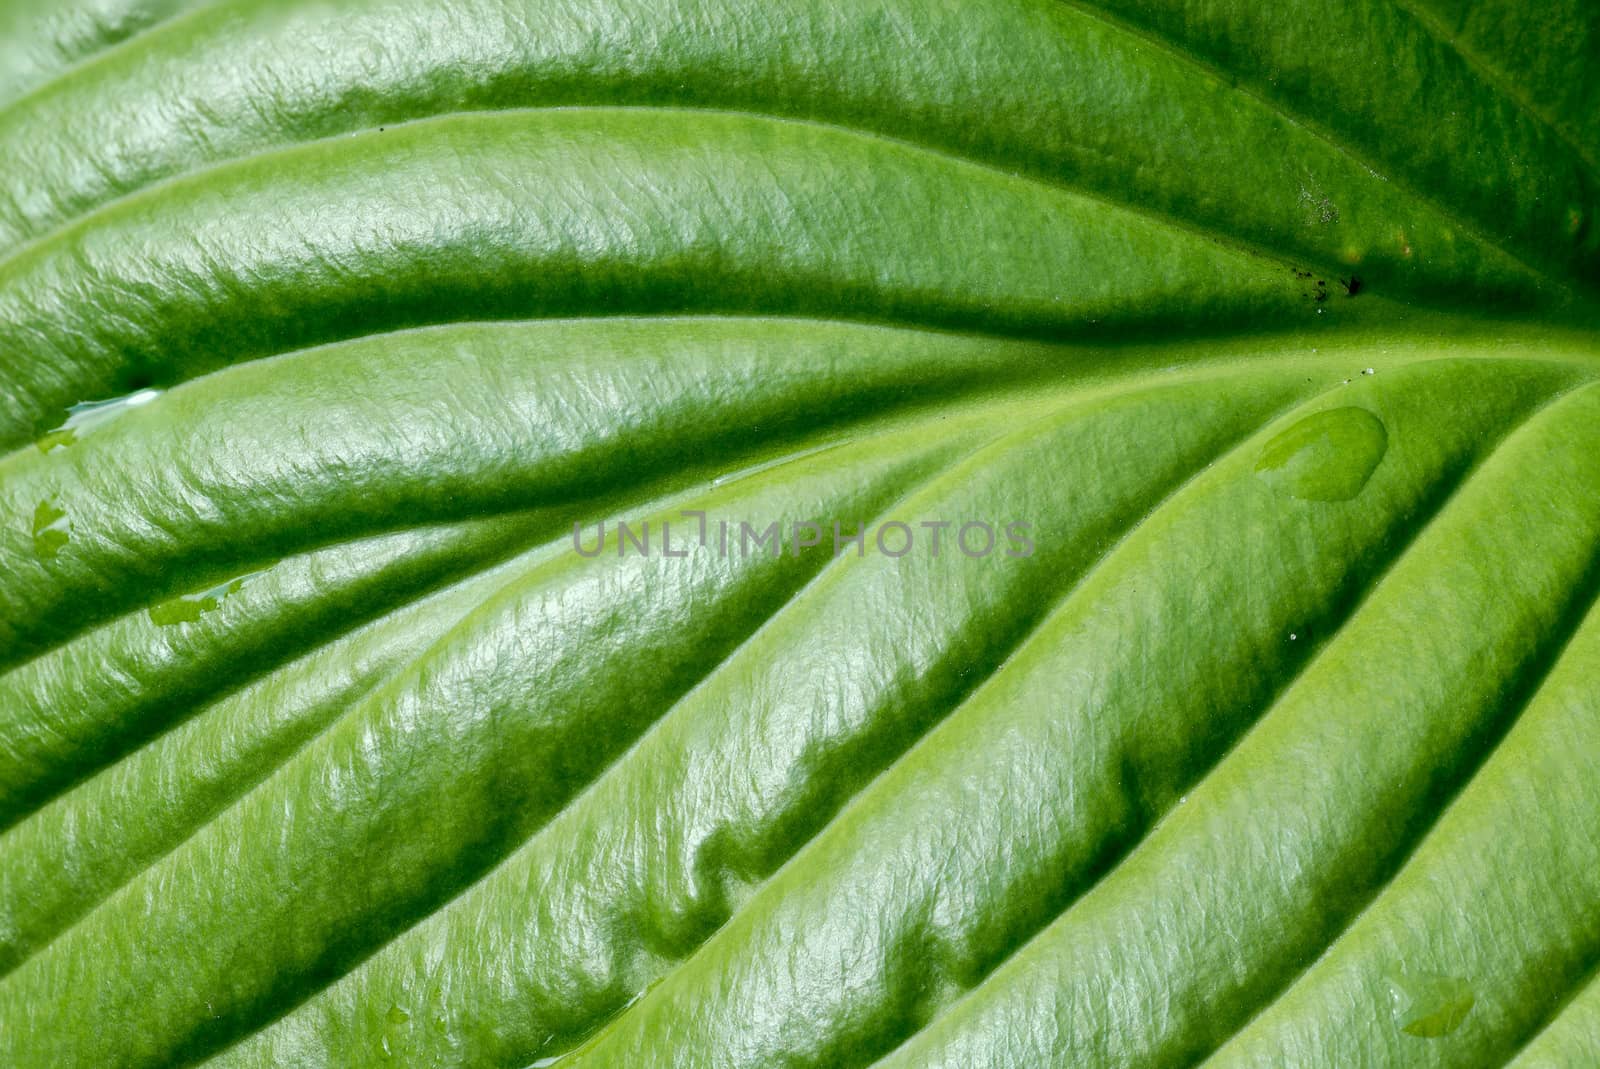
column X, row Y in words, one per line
column 56, row 439
column 188, row 608
column 395, row 1022
column 1428, row 1005
column 85, row 416
column 51, row 530
column 1327, row 456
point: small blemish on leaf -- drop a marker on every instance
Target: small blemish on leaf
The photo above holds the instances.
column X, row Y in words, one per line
column 1318, row 207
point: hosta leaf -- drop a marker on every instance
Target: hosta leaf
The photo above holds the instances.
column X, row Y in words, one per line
column 705, row 533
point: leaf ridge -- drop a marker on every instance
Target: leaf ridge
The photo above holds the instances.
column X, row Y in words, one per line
column 1211, row 232
column 90, row 59
column 929, row 950
column 512, row 847
column 230, row 686
column 331, row 620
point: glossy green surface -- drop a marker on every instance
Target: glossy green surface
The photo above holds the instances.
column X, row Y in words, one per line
column 343, row 723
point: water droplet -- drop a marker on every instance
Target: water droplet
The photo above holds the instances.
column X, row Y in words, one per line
column 61, row 436
column 395, row 1022
column 551, row 1059
column 1428, row 1005
column 1327, row 456
column 85, row 416
column 51, row 529
column 188, row 608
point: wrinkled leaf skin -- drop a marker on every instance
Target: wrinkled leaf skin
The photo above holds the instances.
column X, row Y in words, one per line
column 323, row 745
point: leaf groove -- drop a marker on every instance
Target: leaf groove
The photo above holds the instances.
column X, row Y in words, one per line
column 1584, row 985
column 1096, row 10
column 1501, row 84
column 1521, row 692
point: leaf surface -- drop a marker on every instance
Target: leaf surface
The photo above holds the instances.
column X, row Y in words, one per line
column 431, row 631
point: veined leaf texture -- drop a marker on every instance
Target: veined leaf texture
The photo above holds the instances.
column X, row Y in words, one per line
column 759, row 534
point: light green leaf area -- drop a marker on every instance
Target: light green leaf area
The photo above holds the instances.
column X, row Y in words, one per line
column 739, row 534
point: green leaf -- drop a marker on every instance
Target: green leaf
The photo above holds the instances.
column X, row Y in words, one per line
column 810, row 533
